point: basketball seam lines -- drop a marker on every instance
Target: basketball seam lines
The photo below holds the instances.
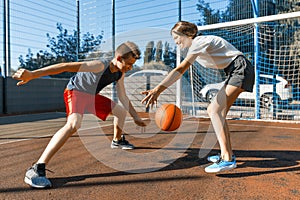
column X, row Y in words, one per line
column 170, row 124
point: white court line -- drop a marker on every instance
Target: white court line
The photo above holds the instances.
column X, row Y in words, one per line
column 32, row 138
column 19, row 140
column 275, row 127
column 258, row 126
column 206, row 122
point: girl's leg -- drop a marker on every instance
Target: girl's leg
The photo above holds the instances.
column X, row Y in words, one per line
column 60, row 137
column 217, row 111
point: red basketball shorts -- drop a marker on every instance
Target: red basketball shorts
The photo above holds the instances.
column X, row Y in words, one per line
column 81, row 102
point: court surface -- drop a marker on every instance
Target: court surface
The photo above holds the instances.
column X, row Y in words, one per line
column 163, row 165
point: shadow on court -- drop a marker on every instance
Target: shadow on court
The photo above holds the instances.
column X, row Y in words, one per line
column 268, row 159
column 264, row 162
column 30, row 117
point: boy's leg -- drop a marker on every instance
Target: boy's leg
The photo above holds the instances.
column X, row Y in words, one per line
column 102, row 108
column 119, row 120
column 36, row 175
column 119, row 140
column 60, row 137
column 75, row 104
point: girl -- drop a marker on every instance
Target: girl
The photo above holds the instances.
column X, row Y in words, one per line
column 211, row 52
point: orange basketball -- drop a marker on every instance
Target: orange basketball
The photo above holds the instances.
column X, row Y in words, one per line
column 168, row 117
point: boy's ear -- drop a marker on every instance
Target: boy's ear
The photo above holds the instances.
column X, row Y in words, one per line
column 119, row 58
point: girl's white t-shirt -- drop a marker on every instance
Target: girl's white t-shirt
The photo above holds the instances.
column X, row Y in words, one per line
column 213, row 51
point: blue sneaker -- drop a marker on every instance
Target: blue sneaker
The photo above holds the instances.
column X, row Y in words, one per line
column 222, row 165
column 36, row 176
column 216, row 158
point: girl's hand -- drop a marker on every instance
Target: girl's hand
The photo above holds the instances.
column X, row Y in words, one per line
column 23, row 75
column 151, row 97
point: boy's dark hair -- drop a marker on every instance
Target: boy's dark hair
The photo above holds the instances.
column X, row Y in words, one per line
column 128, row 49
column 185, row 28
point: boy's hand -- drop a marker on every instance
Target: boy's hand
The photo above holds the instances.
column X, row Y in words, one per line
column 23, row 75
column 138, row 121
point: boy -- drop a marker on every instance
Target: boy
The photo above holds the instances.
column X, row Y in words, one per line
column 82, row 94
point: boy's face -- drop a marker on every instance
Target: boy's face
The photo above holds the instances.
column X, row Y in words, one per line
column 125, row 64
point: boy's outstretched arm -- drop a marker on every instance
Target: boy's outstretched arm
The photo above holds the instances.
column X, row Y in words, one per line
column 25, row 75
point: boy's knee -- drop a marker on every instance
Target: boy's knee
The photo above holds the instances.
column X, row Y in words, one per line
column 73, row 125
column 119, row 112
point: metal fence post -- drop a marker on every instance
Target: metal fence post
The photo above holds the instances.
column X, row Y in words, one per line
column 255, row 5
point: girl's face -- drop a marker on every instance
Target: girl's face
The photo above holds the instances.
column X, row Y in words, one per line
column 181, row 40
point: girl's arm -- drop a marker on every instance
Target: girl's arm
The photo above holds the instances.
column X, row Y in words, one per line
column 25, row 75
column 172, row 77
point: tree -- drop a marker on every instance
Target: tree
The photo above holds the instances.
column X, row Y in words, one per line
column 158, row 51
column 163, row 55
column 288, row 31
column 43, row 58
column 64, row 45
column 149, row 52
column 63, row 48
column 207, row 14
column 169, row 56
column 282, row 35
column 89, row 42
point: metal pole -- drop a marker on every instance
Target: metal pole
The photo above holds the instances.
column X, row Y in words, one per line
column 113, row 26
column 179, row 10
column 255, row 5
column 78, row 30
column 6, row 54
column 178, row 83
column 6, row 38
column 114, row 95
column 275, row 67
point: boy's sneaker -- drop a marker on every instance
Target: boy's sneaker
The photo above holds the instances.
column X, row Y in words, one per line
column 216, row 158
column 36, row 176
column 122, row 144
column 222, row 165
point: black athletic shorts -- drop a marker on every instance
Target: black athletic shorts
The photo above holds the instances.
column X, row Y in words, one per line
column 240, row 73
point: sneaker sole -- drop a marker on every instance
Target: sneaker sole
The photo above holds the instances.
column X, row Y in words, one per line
column 126, row 148
column 120, row 147
column 230, row 167
column 215, row 160
column 29, row 182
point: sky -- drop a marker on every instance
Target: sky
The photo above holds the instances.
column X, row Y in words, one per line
column 136, row 20
column 30, row 20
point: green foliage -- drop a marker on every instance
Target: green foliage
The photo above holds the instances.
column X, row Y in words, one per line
column 162, row 54
column 207, row 14
column 149, row 52
column 158, row 52
column 236, row 10
column 169, row 56
column 62, row 48
column 280, row 35
column 89, row 42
